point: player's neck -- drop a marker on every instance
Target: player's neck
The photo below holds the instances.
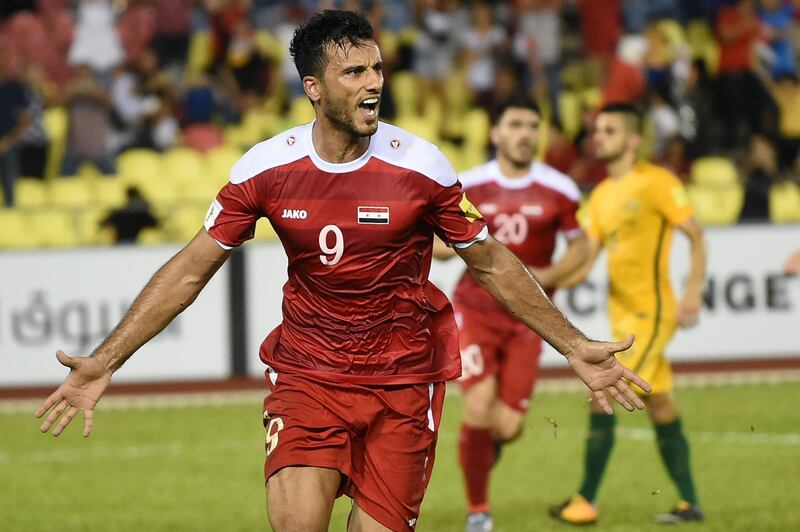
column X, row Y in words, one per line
column 334, row 145
column 511, row 170
column 620, row 167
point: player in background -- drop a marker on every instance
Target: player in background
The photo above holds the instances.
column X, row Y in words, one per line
column 357, row 366
column 526, row 204
column 633, row 214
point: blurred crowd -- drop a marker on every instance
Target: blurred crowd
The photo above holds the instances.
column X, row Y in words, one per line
column 713, row 77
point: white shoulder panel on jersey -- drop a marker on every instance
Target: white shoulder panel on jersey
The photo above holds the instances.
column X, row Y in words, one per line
column 479, row 175
column 552, row 178
column 399, row 147
column 281, row 149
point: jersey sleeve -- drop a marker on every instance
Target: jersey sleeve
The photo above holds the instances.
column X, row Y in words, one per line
column 592, row 220
column 455, row 220
column 670, row 199
column 232, row 217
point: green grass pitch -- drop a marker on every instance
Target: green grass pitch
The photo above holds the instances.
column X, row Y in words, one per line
column 199, row 468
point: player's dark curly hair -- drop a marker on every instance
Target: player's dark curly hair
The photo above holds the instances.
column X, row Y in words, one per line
column 329, row 27
column 518, row 101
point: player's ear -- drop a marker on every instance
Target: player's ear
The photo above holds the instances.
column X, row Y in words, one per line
column 312, row 86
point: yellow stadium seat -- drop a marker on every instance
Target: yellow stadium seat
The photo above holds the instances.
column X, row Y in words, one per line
column 16, row 231
column 784, row 202
column 89, row 230
column 476, row 129
column 151, row 236
column 200, row 52
column 264, row 232
column 137, row 164
column 673, row 31
column 703, row 43
column 714, row 171
column 70, row 192
column 184, row 222
column 271, row 47
column 300, row 111
column 716, row 205
column 219, row 162
column 454, row 155
column 183, row 165
column 405, row 91
column 108, row 191
column 200, row 193
column 418, row 126
column 30, row 193
column 570, row 110
column 159, row 190
column 55, row 228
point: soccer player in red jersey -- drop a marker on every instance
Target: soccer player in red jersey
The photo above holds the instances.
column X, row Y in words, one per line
column 526, row 204
column 356, row 368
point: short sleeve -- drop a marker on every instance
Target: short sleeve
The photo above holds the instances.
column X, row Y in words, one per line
column 455, row 220
column 233, row 214
column 592, row 221
column 670, row 199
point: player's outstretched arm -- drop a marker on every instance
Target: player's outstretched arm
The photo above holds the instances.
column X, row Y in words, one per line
column 504, row 276
column 173, row 288
column 568, row 264
column 692, row 298
column 580, row 274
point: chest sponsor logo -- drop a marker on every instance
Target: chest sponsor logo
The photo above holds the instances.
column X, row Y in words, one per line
column 373, row 215
column 532, row 210
column 295, row 214
column 488, row 208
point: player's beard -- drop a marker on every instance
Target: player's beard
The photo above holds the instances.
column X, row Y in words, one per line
column 517, row 157
column 340, row 114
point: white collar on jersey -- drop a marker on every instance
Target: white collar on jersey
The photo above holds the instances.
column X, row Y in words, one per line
column 336, row 168
column 513, row 182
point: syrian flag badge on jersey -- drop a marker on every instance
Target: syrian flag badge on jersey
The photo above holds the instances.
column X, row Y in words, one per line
column 373, row 215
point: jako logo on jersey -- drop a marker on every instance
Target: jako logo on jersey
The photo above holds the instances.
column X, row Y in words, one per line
column 294, row 214
column 394, row 143
column 373, row 215
column 290, row 140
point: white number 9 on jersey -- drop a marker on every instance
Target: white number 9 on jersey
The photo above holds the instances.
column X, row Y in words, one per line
column 338, row 245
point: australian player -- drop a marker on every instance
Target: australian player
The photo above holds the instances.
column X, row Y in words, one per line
column 527, row 204
column 633, row 214
column 356, row 368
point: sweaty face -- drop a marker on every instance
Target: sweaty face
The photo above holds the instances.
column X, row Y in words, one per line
column 611, row 137
column 516, row 135
column 351, row 87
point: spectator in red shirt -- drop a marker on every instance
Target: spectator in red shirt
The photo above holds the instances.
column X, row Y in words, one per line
column 742, row 100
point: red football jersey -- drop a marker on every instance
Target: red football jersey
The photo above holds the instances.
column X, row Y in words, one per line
column 358, row 306
column 526, row 214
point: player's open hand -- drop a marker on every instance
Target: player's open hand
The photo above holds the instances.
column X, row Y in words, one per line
column 792, row 266
column 688, row 314
column 86, row 382
column 596, row 365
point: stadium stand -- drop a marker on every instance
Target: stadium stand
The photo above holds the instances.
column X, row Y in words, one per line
column 179, row 150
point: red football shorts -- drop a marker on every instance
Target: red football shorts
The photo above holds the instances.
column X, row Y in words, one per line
column 381, row 439
column 500, row 345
